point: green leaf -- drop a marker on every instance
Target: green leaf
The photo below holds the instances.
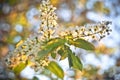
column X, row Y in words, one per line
column 56, row 69
column 53, row 55
column 19, row 68
column 74, row 61
column 62, row 52
column 81, row 43
column 35, row 78
column 50, row 46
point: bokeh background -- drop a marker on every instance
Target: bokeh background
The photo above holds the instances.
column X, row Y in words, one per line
column 20, row 18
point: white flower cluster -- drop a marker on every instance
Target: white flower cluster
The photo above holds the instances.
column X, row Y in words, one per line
column 90, row 31
column 24, row 51
column 48, row 19
column 48, row 16
column 27, row 50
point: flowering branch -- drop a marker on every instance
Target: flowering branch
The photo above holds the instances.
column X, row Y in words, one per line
column 50, row 42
